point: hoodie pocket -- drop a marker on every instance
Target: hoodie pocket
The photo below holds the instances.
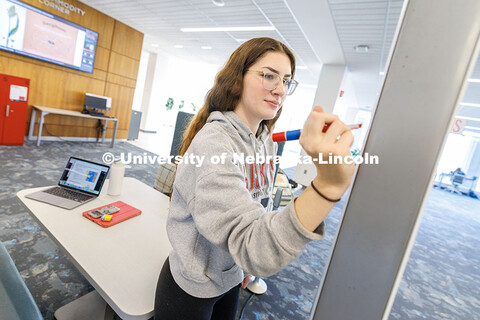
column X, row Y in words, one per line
column 232, row 276
column 197, row 270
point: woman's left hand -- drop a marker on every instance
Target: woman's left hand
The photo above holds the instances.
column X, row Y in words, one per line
column 246, row 280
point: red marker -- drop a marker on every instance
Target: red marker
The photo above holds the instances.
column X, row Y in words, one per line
column 295, row 134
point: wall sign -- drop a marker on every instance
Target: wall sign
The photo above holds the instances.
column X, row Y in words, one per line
column 62, row 6
column 458, row 126
column 18, row 93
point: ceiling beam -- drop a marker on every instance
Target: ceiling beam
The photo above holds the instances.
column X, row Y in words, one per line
column 316, row 22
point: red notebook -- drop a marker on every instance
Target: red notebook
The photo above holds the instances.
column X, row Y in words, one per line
column 126, row 212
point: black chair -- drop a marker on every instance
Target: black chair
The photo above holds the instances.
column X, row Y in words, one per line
column 183, row 119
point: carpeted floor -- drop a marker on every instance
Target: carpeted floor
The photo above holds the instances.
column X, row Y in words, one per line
column 441, row 281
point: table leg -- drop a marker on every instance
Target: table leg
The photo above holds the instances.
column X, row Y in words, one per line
column 32, row 124
column 109, row 313
column 104, row 130
column 40, row 126
column 115, row 124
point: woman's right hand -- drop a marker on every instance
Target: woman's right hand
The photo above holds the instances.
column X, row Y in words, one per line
column 332, row 179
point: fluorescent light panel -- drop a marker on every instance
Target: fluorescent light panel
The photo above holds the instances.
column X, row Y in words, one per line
column 229, row 29
column 468, row 118
column 472, row 128
column 469, row 104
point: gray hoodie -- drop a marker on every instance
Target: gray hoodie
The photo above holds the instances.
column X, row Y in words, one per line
column 219, row 223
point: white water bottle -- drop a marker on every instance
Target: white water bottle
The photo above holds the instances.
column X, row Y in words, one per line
column 117, row 171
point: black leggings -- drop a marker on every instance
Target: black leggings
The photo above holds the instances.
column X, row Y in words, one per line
column 172, row 303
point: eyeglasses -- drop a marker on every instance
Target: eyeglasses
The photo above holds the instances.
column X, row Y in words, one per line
column 271, row 80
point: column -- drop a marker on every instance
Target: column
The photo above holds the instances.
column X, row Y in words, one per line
column 472, row 167
column 147, row 91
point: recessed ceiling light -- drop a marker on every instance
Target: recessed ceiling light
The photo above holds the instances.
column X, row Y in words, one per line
column 178, row 46
column 473, row 80
column 381, row 73
column 229, row 29
column 206, row 47
column 301, row 67
column 361, row 48
column 154, row 45
column 218, row 3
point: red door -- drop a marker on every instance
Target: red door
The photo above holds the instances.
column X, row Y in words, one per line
column 13, row 109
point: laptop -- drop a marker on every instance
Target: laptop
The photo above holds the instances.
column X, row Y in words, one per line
column 80, row 182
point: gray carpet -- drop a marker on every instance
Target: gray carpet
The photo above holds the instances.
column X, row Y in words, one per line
column 441, row 281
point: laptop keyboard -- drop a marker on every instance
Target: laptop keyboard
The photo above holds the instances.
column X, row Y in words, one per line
column 68, row 194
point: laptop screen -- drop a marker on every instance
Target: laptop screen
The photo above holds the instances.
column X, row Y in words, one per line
column 84, row 175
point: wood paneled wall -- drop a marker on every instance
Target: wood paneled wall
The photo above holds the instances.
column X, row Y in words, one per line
column 115, row 75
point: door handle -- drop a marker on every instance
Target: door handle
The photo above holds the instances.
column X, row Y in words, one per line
column 8, row 110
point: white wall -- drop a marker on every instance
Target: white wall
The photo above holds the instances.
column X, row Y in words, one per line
column 183, row 80
column 140, row 86
column 172, row 78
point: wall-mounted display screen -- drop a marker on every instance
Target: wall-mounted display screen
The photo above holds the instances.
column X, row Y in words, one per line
column 34, row 33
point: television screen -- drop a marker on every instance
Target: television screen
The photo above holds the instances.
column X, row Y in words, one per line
column 34, row 33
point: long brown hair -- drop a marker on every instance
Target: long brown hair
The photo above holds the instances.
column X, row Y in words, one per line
column 228, row 86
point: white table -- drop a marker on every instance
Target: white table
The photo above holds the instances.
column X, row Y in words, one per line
column 46, row 110
column 121, row 262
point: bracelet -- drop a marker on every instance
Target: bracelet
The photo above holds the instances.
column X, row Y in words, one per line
column 321, row 195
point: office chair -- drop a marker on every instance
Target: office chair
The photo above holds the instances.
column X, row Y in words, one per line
column 457, row 180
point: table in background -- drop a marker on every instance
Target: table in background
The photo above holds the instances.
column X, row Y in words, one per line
column 46, row 110
column 459, row 183
column 122, row 262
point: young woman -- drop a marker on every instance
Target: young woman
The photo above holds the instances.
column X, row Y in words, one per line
column 219, row 224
